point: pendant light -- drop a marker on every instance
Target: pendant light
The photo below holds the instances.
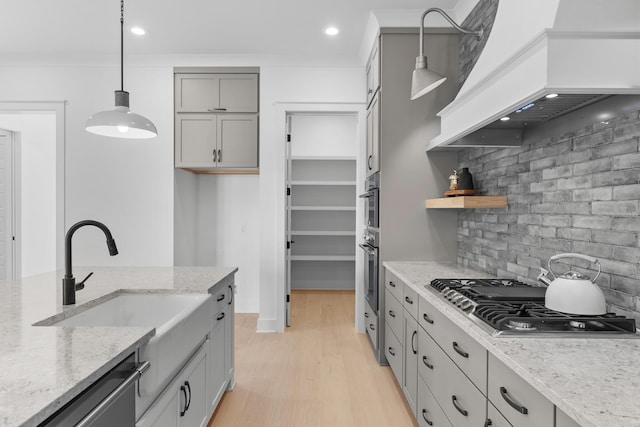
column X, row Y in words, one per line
column 120, row 122
column 424, row 80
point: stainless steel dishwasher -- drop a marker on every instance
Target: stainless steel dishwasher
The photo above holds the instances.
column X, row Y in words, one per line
column 108, row 402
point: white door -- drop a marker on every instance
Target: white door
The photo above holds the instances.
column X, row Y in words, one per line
column 8, row 205
column 287, row 296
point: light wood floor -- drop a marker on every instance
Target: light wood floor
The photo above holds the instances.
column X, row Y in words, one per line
column 320, row 372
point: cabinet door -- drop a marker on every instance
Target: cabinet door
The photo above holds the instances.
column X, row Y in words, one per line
column 373, row 136
column 193, row 386
column 393, row 351
column 165, row 412
column 410, row 375
column 217, row 375
column 237, row 141
column 195, row 93
column 238, row 93
column 429, row 412
column 373, row 73
column 229, row 354
column 195, row 144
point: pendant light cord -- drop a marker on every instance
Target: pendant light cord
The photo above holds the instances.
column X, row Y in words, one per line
column 122, row 45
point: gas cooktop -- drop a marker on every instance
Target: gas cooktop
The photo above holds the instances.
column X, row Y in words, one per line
column 506, row 307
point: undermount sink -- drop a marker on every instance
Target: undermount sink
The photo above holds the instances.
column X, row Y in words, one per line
column 181, row 321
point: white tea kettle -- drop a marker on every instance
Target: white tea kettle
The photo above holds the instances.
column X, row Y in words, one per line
column 572, row 292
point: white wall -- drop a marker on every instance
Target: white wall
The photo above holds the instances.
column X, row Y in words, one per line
column 128, row 185
column 37, row 232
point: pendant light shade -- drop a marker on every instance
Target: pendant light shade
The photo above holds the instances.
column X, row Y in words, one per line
column 425, row 80
column 121, row 122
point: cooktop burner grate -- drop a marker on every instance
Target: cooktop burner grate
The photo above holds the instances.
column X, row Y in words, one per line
column 440, row 284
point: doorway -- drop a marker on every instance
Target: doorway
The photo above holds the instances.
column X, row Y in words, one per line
column 9, row 205
column 321, row 187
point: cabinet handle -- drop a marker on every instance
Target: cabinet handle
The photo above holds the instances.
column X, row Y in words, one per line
column 372, row 327
column 183, row 389
column 424, row 416
column 219, row 156
column 231, row 293
column 392, row 313
column 515, row 405
column 409, row 300
column 391, row 351
column 454, row 400
column 426, row 363
column 189, row 389
column 393, row 285
column 488, row 423
column 220, row 298
column 213, row 156
column 370, row 91
column 369, row 162
column 460, row 351
column 413, row 338
column 217, row 109
column 427, row 319
column 220, row 316
column 366, row 315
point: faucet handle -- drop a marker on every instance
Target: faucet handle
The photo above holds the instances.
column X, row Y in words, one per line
column 80, row 285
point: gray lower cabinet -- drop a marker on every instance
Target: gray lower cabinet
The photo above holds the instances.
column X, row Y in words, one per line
column 394, row 352
column 429, row 413
column 410, row 375
column 371, row 324
column 216, row 141
column 518, row 401
column 184, row 401
column 495, row 418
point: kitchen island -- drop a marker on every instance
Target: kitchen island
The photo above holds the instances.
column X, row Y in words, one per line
column 594, row 381
column 44, row 367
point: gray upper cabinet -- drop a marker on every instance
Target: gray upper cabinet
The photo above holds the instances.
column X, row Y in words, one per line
column 373, row 72
column 216, row 121
column 214, row 93
column 373, row 137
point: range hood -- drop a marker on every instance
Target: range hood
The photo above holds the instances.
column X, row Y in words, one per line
column 582, row 50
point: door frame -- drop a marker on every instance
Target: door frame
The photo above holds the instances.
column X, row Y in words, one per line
column 59, row 109
column 282, row 110
column 12, row 206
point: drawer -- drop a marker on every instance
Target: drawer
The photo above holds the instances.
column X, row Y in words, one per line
column 427, row 317
column 371, row 324
column 393, row 313
column 463, row 404
column 470, row 356
column 519, row 402
column 427, row 348
column 394, row 285
column 410, row 301
column 221, row 298
column 495, row 418
column 429, row 413
column 563, row 420
column 394, row 352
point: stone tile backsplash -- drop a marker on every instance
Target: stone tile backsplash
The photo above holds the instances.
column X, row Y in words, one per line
column 575, row 192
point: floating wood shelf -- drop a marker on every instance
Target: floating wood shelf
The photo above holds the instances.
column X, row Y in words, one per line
column 467, row 202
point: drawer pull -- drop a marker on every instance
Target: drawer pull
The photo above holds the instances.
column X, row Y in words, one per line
column 391, row 352
column 460, row 351
column 488, row 423
column 413, row 339
column 220, row 316
column 454, row 400
column 392, row 313
column 372, row 327
column 220, row 298
column 409, row 300
column 366, row 315
column 515, row 405
column 424, row 416
column 426, row 362
column 393, row 285
column 427, row 319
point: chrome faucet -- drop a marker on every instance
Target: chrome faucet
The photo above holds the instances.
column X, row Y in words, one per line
column 69, row 286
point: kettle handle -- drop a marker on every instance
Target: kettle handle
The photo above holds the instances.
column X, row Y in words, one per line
column 573, row 255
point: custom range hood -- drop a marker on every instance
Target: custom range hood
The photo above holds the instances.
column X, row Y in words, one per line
column 581, row 50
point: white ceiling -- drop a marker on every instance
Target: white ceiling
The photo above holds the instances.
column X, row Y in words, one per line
column 246, row 27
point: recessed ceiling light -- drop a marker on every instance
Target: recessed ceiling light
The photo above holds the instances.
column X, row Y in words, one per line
column 139, row 31
column 504, row 119
column 551, row 95
column 331, row 31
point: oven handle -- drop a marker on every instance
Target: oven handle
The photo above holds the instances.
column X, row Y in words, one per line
column 366, row 195
column 368, row 248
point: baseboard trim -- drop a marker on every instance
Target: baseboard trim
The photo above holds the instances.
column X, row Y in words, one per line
column 266, row 326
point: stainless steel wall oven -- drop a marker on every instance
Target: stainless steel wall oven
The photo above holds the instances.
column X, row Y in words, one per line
column 372, row 187
column 371, row 282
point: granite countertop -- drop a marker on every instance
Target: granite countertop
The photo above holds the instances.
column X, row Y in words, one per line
column 44, row 367
column 595, row 381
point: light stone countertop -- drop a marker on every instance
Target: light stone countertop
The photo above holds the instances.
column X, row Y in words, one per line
column 44, row 367
column 595, row 381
